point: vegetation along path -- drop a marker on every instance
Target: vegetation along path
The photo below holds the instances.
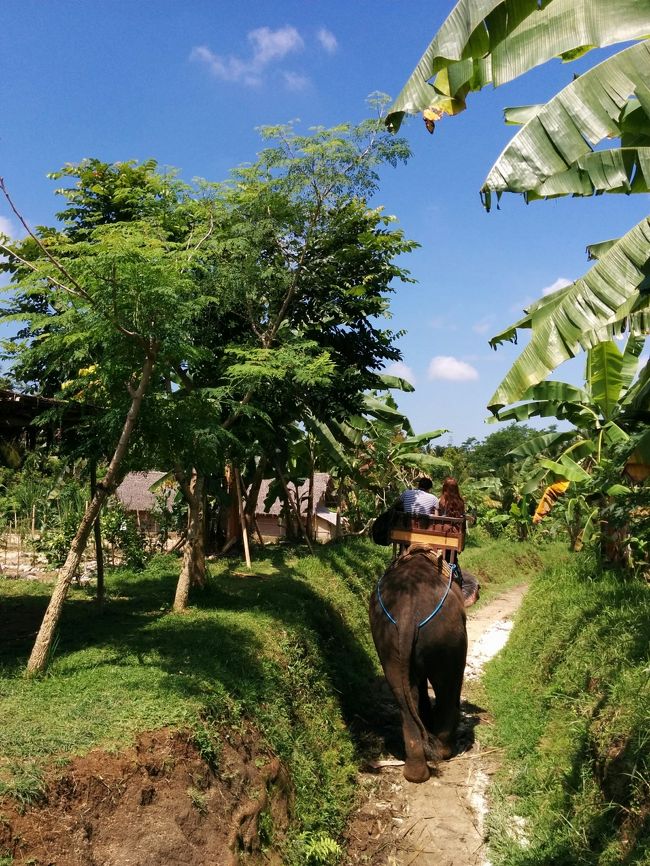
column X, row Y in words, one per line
column 442, row 820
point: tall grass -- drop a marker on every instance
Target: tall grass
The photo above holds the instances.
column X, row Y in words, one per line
column 571, row 700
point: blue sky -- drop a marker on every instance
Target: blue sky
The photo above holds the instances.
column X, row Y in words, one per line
column 188, row 82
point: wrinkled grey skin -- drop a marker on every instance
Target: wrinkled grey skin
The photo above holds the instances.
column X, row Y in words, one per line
column 410, row 590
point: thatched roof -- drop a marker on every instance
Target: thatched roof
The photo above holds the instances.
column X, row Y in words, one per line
column 321, row 480
column 134, row 492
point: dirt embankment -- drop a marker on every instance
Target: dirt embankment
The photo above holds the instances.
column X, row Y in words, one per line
column 442, row 821
column 157, row 804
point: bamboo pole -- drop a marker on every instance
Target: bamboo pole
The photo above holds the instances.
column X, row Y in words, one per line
column 242, row 519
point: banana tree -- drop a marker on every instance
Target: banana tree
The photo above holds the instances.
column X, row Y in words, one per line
column 375, row 455
column 558, row 150
column 598, row 414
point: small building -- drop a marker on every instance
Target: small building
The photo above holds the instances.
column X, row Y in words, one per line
column 136, row 497
column 272, row 522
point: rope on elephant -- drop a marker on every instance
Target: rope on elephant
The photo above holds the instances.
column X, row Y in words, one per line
column 444, row 568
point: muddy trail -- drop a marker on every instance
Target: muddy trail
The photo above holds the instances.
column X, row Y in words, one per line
column 441, row 821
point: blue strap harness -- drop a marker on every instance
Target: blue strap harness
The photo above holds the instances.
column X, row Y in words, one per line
column 427, row 619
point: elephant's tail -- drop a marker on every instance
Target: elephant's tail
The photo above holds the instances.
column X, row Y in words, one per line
column 406, row 638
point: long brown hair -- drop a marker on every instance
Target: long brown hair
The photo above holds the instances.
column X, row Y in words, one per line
column 452, row 503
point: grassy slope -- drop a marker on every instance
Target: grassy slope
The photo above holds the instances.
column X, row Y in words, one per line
column 289, row 648
column 572, row 705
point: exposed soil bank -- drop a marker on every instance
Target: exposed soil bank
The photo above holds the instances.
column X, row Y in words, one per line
column 439, row 822
column 157, row 804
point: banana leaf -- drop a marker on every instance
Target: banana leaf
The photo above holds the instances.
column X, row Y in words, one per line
column 631, row 354
column 532, row 447
column 566, row 468
column 424, row 438
column 596, row 251
column 553, row 153
column 636, row 401
column 397, row 383
column 382, row 411
column 331, row 443
column 485, row 41
column 604, row 375
column 425, row 462
column 606, row 298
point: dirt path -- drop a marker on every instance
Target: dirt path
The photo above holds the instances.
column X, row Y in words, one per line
column 439, row 822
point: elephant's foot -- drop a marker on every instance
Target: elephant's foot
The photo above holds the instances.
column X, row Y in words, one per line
column 416, row 771
column 445, row 751
column 444, row 747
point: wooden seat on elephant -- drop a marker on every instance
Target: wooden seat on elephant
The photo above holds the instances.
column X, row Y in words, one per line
column 440, row 533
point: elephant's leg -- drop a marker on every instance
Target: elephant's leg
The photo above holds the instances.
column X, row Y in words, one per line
column 447, row 685
column 413, row 731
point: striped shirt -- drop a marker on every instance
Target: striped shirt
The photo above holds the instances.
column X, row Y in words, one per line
column 418, row 502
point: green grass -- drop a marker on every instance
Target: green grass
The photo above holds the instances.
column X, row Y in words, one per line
column 571, row 700
column 504, row 563
column 288, row 649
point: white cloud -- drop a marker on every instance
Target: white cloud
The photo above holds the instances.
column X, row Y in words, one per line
column 294, row 81
column 268, row 46
column 402, row 370
column 328, row 40
column 6, row 227
column 452, row 369
column 271, row 45
column 560, row 283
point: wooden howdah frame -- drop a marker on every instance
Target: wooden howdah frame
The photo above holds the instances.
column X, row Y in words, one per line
column 441, row 533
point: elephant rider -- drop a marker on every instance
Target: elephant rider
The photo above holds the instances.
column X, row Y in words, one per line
column 452, row 504
column 419, row 500
column 416, row 501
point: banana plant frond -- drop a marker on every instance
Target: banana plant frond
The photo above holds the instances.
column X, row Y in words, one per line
column 553, row 153
column 397, row 383
column 565, row 469
column 549, row 498
column 611, row 295
column 424, row 438
column 485, row 41
column 545, row 441
column 425, row 462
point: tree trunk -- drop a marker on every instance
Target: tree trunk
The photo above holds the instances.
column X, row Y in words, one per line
column 99, row 553
column 43, row 643
column 311, row 517
column 193, row 570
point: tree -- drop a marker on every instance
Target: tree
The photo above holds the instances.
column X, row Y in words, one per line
column 311, row 264
column 123, row 293
column 557, row 151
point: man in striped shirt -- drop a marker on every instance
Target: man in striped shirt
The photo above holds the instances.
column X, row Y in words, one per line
column 419, row 500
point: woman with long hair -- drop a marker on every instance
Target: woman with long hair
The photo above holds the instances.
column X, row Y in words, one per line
column 452, row 503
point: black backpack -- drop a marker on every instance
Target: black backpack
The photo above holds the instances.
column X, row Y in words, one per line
column 380, row 531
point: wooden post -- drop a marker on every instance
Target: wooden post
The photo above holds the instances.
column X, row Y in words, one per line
column 242, row 519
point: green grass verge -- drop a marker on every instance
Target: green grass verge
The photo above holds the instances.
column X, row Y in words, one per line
column 288, row 648
column 571, row 700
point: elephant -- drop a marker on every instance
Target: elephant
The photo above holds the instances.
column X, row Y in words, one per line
column 418, row 624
